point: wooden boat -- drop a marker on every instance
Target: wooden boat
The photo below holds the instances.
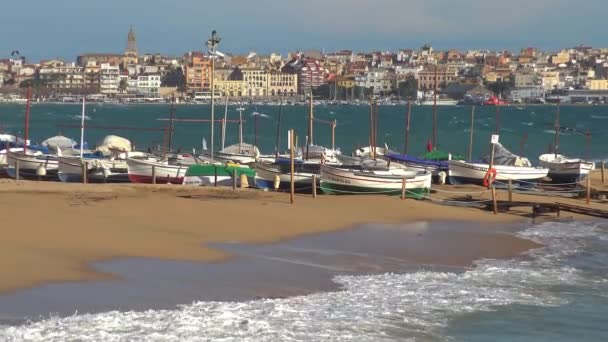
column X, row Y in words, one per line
column 99, row 169
column 4, row 161
column 33, row 165
column 344, row 181
column 143, row 170
column 238, row 153
column 565, row 170
column 267, row 174
column 419, row 164
column 222, row 175
column 473, row 173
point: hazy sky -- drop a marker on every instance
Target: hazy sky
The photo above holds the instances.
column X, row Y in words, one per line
column 66, row 28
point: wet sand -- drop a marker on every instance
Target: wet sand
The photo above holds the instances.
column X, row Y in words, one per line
column 295, row 267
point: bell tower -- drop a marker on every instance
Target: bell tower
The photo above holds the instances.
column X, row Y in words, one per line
column 131, row 54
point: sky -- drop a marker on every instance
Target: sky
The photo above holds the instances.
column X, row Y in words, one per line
column 44, row 29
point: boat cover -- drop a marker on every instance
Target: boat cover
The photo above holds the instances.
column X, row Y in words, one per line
column 59, row 142
column 113, row 143
column 502, row 156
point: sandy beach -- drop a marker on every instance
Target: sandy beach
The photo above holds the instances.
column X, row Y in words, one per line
column 52, row 232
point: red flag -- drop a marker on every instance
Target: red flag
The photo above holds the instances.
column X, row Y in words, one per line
column 429, row 146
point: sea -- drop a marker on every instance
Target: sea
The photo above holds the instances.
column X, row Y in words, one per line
column 525, row 130
column 558, row 292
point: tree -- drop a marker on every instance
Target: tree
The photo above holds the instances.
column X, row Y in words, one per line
column 501, row 87
column 123, row 85
column 408, row 88
column 175, row 78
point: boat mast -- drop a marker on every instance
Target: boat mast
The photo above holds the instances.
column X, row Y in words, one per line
column 310, row 125
column 224, row 124
column 212, row 44
column 278, row 142
column 556, row 142
column 371, row 123
column 435, row 111
column 240, row 109
column 471, row 133
column 375, row 146
column 407, row 125
column 171, row 123
column 27, row 118
column 82, row 125
column 498, row 117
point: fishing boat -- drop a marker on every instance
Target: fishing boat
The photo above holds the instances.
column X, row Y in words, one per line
column 340, row 181
column 220, row 175
column 508, row 166
column 267, row 176
column 561, row 168
column 143, row 170
column 33, row 164
column 435, row 166
column 565, row 170
column 4, row 161
column 242, row 153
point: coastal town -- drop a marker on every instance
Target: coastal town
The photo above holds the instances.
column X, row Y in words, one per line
column 577, row 75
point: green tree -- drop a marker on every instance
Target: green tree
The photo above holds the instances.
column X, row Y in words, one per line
column 123, row 85
column 501, row 87
column 175, row 78
column 408, row 88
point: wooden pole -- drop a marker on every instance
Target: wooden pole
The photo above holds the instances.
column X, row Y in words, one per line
column 212, row 105
column 403, row 187
column 278, row 142
column 375, row 146
column 215, row 175
column 602, row 166
column 292, row 152
column 171, row 124
column 84, row 172
column 510, row 190
column 314, row 186
column 407, row 125
column 371, row 124
column 556, row 142
column 153, row 174
column 27, row 119
column 234, row 179
column 471, row 133
column 589, row 188
column 17, row 169
column 494, row 201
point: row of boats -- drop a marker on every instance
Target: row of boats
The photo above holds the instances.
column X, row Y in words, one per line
column 113, row 160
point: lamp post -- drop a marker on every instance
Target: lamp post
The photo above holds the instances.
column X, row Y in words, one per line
column 212, row 44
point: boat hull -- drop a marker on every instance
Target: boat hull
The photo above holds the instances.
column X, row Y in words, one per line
column 338, row 182
column 474, row 173
column 563, row 170
column 29, row 165
column 265, row 179
column 144, row 170
column 98, row 170
column 220, row 175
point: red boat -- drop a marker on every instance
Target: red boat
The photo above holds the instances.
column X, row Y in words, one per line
column 495, row 101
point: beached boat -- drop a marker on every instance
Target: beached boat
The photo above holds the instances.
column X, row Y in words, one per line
column 238, row 153
column 142, row 170
column 345, row 181
column 266, row 176
column 221, row 175
column 508, row 166
column 565, row 170
column 419, row 164
column 33, row 165
column 100, row 169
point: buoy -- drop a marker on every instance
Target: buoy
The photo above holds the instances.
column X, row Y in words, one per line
column 442, row 177
column 244, row 181
column 40, row 171
column 277, row 182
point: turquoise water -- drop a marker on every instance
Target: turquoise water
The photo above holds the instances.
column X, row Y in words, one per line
column 534, row 122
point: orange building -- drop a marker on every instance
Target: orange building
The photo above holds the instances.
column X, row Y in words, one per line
column 197, row 72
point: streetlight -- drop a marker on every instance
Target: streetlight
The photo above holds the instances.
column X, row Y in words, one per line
column 212, row 44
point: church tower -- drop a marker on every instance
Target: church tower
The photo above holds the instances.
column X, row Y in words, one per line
column 131, row 54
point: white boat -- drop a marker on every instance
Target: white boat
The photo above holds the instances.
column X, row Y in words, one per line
column 318, row 154
column 4, row 161
column 366, row 151
column 267, row 174
column 99, row 170
column 474, row 173
column 32, row 165
column 344, row 181
column 508, row 166
column 238, row 153
column 565, row 170
column 142, row 170
column 440, row 102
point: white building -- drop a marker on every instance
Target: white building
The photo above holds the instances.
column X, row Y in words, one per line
column 376, row 79
column 109, row 79
column 148, row 85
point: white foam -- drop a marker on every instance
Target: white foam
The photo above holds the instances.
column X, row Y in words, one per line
column 369, row 308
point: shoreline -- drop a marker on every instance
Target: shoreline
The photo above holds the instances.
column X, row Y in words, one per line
column 296, row 267
column 55, row 231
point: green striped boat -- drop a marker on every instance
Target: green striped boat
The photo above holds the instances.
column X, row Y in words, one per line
column 208, row 174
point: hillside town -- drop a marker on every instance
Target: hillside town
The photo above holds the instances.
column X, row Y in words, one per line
column 573, row 75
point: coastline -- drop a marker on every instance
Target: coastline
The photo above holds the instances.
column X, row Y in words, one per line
column 53, row 232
